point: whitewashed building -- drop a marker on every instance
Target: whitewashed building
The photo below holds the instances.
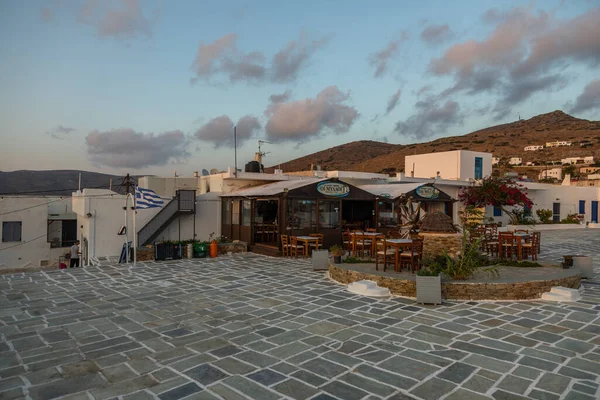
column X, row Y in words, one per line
column 578, row 160
column 558, row 143
column 449, row 165
column 515, row 161
column 533, row 148
column 555, row 173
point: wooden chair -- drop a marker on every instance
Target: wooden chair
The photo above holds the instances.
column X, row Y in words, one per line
column 373, row 230
column 347, row 241
column 294, row 247
column 507, row 245
column 532, row 246
column 384, row 252
column 492, row 245
column 413, row 258
column 318, row 243
column 358, row 243
column 285, row 246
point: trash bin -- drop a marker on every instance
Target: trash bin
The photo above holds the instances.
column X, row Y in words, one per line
column 320, row 260
column 190, row 250
column 200, row 250
column 585, row 265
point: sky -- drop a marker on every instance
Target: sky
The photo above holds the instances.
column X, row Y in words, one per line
column 156, row 86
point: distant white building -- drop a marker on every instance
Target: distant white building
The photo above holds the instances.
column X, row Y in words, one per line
column 534, row 148
column 577, row 160
column 558, row 144
column 515, row 161
column 450, row 165
column 495, row 160
column 529, row 163
column 555, row 173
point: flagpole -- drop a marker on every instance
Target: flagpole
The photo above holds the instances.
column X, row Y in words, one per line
column 126, row 232
column 134, row 230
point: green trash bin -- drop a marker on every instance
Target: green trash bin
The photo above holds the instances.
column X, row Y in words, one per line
column 200, row 250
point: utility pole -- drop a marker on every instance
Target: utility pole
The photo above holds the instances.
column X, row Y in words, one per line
column 128, row 184
column 235, row 148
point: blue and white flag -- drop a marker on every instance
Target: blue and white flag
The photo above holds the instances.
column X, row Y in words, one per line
column 146, row 198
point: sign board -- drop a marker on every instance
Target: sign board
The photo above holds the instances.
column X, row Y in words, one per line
column 333, row 189
column 427, row 192
column 385, row 195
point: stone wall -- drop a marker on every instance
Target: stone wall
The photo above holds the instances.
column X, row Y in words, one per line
column 145, row 254
column 237, row 247
column 460, row 290
column 434, row 244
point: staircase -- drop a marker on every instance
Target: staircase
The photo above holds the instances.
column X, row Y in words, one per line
column 559, row 293
column 183, row 203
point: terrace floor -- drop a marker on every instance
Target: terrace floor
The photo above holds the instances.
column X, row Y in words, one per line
column 249, row 326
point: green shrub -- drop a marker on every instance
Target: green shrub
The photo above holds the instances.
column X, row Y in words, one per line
column 427, row 272
column 571, row 219
column 514, row 263
column 544, row 215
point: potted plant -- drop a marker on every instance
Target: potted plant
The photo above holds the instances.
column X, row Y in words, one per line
column 337, row 252
column 429, row 286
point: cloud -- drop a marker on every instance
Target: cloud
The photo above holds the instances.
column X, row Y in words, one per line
column 60, row 132
column 280, row 98
column 380, row 59
column 288, row 61
column 222, row 59
column 518, row 59
column 125, row 148
column 123, row 19
column 436, row 34
column 393, row 102
column 431, row 118
column 219, row 130
column 302, row 120
column 589, row 99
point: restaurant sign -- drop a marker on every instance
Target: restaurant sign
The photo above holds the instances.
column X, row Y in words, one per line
column 427, row 192
column 334, row 189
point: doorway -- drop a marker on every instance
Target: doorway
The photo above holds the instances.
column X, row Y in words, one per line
column 265, row 221
column 358, row 214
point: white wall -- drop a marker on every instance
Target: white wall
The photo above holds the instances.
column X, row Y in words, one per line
column 34, row 245
column 452, row 165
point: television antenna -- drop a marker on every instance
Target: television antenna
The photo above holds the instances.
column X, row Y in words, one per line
column 261, row 154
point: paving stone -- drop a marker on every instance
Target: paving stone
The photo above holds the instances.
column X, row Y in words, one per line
column 462, row 394
column 456, row 372
column 478, row 384
column 118, row 373
column 541, row 395
column 234, row 366
column 250, row 388
column 206, row 374
column 258, row 359
column 543, row 355
column 578, row 396
column 380, row 375
column 544, row 336
column 125, row 387
column 433, row 389
column 471, row 348
column 323, row 367
column 538, row 363
column 575, row 373
column 343, row 391
column 488, row 363
column 514, row 384
column 585, row 389
column 502, row 395
column 180, row 392
column 368, row 385
column 526, row 372
column 226, row 393
column 267, row 377
column 576, row 346
column 553, row 383
column 67, row 386
column 295, row 389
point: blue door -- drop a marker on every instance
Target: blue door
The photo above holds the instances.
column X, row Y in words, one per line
column 595, row 211
column 478, row 167
column 582, row 207
column 555, row 212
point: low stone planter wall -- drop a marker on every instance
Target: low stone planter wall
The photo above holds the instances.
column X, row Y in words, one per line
column 434, row 244
column 145, row 254
column 237, row 247
column 454, row 290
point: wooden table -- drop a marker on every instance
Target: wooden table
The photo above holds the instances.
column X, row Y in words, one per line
column 397, row 244
column 519, row 237
column 371, row 236
column 306, row 240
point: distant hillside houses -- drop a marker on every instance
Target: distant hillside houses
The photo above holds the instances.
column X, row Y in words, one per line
column 577, row 160
column 558, row 144
column 555, row 173
column 534, row 148
column 589, row 170
column 515, row 161
column 495, row 160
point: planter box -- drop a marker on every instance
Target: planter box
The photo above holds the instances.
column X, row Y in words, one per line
column 320, row 260
column 585, row 265
column 429, row 289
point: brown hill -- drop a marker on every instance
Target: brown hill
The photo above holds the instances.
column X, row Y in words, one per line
column 505, row 141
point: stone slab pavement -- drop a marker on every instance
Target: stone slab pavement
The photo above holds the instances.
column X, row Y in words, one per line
column 255, row 327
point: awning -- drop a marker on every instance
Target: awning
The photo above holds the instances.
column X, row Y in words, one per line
column 418, row 191
column 272, row 189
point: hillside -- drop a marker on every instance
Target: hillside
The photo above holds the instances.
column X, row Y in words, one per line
column 506, row 140
column 54, row 182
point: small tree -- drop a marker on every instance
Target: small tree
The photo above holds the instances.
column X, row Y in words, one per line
column 497, row 192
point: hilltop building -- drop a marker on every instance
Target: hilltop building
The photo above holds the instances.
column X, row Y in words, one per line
column 558, row 144
column 555, row 173
column 577, row 160
column 515, row 161
column 533, row 148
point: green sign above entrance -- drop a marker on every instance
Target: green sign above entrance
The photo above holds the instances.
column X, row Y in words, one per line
column 333, row 189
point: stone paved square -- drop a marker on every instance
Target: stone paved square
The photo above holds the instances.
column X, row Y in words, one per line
column 254, row 327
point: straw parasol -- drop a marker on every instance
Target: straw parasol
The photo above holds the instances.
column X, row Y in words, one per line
column 437, row 221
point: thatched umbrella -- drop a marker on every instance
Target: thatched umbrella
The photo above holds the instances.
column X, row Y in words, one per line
column 437, row 221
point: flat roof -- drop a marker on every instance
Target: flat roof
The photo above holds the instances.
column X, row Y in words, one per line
column 271, row 189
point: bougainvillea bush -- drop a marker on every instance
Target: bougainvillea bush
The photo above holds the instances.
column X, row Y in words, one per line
column 498, row 192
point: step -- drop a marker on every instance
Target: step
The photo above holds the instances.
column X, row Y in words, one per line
column 549, row 296
column 566, row 292
column 368, row 288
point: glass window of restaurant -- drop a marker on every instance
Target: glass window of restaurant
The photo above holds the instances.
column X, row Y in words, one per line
column 246, row 212
column 388, row 214
column 305, row 214
column 329, row 216
column 226, row 212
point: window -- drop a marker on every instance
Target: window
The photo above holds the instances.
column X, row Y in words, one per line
column 226, row 212
column 526, row 211
column 235, row 214
column 555, row 212
column 497, row 211
column 329, row 216
column 305, row 214
column 388, row 214
column 11, row 231
column 246, row 212
column 478, row 167
column 581, row 206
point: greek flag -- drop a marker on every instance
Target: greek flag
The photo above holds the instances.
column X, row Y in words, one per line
column 146, row 198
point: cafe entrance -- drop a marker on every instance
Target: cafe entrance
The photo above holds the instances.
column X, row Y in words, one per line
column 358, row 214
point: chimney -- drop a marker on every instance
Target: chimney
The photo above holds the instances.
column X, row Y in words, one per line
column 195, row 174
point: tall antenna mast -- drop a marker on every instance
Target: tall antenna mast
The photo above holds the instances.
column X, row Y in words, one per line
column 261, row 154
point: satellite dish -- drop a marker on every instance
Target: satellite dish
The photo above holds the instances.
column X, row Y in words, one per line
column 205, row 172
column 214, row 171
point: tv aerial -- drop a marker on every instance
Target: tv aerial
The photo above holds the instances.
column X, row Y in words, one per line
column 261, row 154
